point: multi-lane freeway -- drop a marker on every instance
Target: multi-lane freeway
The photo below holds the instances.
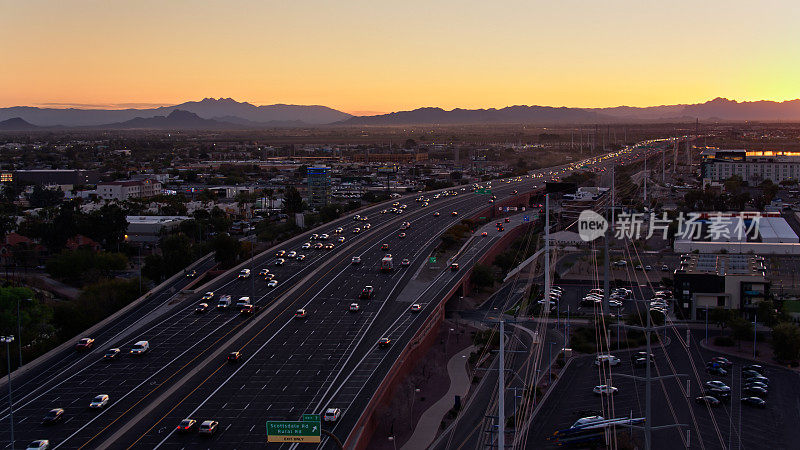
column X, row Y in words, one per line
column 289, row 366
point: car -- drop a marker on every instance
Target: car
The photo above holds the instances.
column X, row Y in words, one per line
column 306, row 246
column 201, row 308
column 756, row 384
column 263, row 272
column 84, row 344
column 331, row 415
column 99, row 402
column 639, row 267
column 416, row 307
column 367, row 292
column 367, row 226
column 642, row 355
column 436, row 214
column 454, row 267
column 280, row 262
column 611, row 360
column 225, row 301
column 356, row 217
column 300, row 314
column 340, row 240
column 664, row 268
column 500, row 229
column 353, row 307
column 242, row 302
column 338, row 230
column 707, row 400
column 191, row 273
column 756, row 391
column 401, row 235
column 186, row 425
column 615, row 303
column 755, row 401
column 484, row 234
column 245, row 273
column 140, row 348
column 318, row 246
column 507, row 220
column 717, row 370
column 323, row 236
column 754, row 367
column 280, row 253
column 249, row 310
column 328, row 246
column 717, row 385
column 405, row 263
column 233, row 357
column 111, row 353
column 301, row 257
column 355, row 260
column 383, row 211
column 757, row 379
column 722, row 361
column 291, row 254
column 208, row 427
column 454, row 213
column 314, row 237
column 207, row 296
column 648, row 268
column 41, row 444
column 384, row 342
column 272, row 283
column 385, row 246
column 53, row 416
column 604, row 389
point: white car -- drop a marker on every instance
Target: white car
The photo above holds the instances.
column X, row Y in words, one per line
column 291, row 254
column 306, row 246
column 583, row 421
column 301, row 257
column 272, row 283
column 323, row 236
column 242, row 302
column 41, row 444
column 332, row 414
column 604, row 389
column 611, row 360
column 99, row 402
column 339, row 230
column 354, row 307
column 280, row 262
column 245, row 273
column 140, row 348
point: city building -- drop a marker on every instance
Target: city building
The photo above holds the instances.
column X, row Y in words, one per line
column 125, row 189
column 319, row 185
column 752, row 166
column 594, row 198
column 765, row 233
column 52, row 176
column 149, row 229
column 704, row 281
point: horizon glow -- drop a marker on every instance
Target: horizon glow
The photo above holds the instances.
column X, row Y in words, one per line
column 375, row 57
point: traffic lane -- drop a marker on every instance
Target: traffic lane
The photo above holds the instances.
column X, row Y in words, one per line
column 58, row 364
column 342, row 306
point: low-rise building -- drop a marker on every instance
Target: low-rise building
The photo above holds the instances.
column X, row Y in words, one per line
column 149, row 229
column 126, row 189
column 703, row 282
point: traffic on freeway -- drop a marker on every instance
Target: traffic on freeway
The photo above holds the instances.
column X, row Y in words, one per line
column 272, row 339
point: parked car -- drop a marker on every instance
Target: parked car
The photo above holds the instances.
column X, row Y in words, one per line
column 755, row 401
column 708, row 400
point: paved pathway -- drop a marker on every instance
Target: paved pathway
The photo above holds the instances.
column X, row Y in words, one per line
column 428, row 424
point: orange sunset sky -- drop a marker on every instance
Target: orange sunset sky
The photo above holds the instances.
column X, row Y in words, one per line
column 380, row 56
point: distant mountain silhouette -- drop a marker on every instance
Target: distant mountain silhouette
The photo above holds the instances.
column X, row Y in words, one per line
column 209, row 108
column 511, row 114
column 226, row 113
column 176, row 120
column 16, row 124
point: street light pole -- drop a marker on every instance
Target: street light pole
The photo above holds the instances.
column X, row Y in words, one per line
column 8, row 340
column 755, row 334
column 19, row 335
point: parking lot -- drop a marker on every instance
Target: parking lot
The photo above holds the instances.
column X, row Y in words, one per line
column 732, row 422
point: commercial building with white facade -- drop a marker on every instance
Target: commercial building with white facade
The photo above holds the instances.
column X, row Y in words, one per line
column 125, row 189
column 752, row 166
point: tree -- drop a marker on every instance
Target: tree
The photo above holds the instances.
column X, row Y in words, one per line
column 34, row 315
column 786, row 341
column 226, row 249
column 741, row 329
column 42, row 197
column 177, row 252
column 410, row 144
column 292, row 201
column 733, row 184
column 482, row 275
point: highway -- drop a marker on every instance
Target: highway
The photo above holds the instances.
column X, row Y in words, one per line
column 289, row 366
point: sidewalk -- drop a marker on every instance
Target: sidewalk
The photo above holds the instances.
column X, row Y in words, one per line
column 428, row 424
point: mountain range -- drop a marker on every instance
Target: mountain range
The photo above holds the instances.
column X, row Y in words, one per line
column 228, row 114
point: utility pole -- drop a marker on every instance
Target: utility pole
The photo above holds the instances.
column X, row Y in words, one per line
column 8, row 340
column 645, row 180
column 501, row 390
column 547, row 247
column 613, row 193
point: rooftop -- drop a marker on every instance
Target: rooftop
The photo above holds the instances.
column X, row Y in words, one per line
column 724, row 264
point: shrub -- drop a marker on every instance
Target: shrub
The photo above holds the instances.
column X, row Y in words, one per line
column 723, row 341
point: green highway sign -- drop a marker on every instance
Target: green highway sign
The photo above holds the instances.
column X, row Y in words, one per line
column 312, row 418
column 432, row 260
column 285, row 431
column 484, row 191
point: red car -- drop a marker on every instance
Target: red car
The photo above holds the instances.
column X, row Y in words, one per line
column 84, row 344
